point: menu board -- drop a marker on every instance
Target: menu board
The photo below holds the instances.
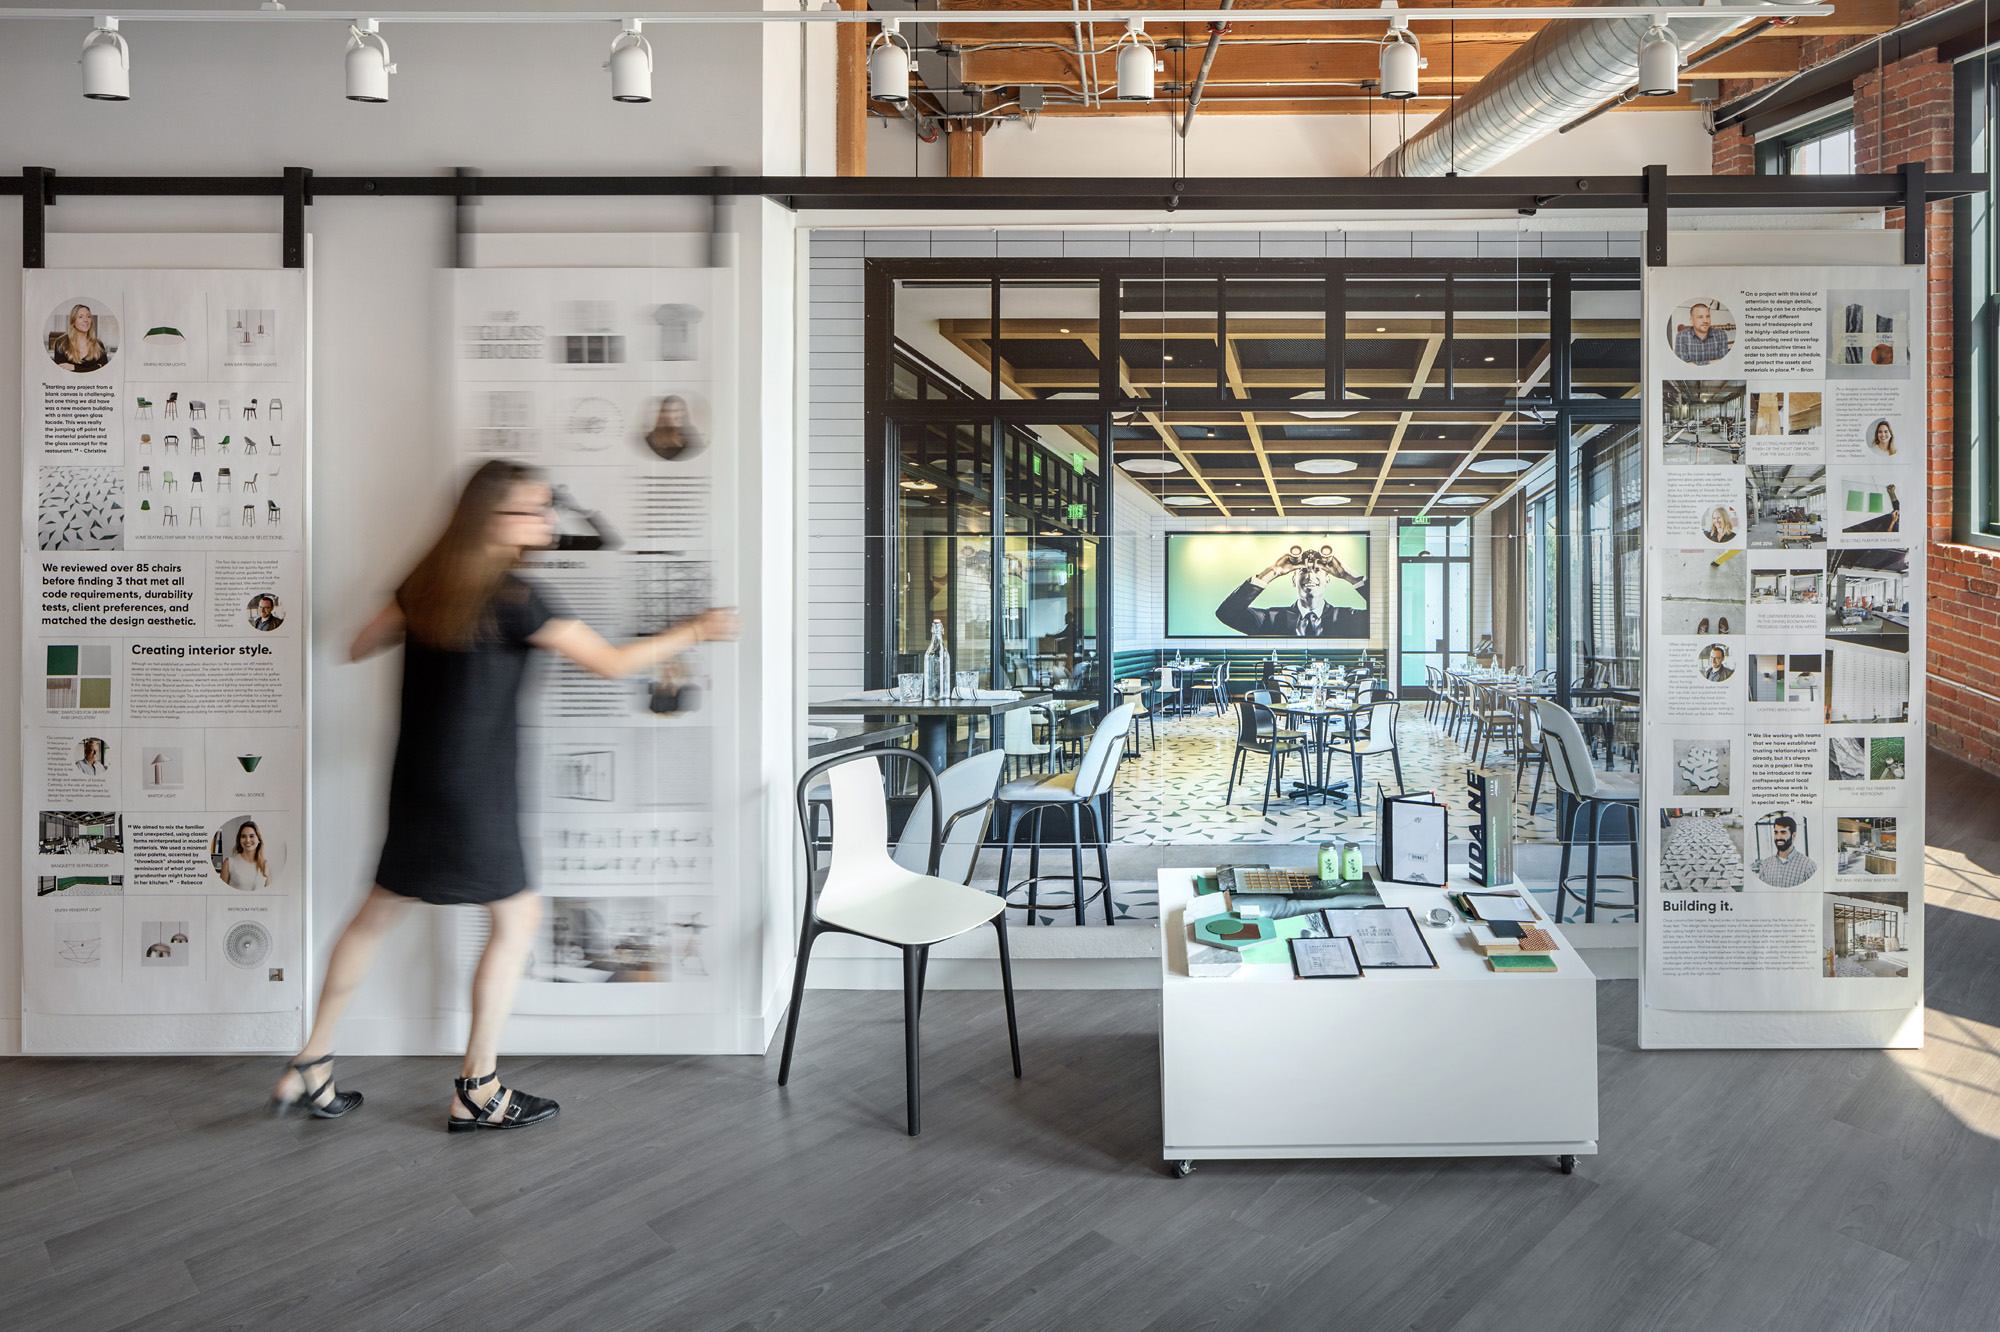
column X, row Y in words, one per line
column 1784, row 696
column 164, row 599
column 611, row 381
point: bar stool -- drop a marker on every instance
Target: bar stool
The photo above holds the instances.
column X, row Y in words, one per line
column 1534, row 749
column 1077, row 791
column 1589, row 793
column 195, row 442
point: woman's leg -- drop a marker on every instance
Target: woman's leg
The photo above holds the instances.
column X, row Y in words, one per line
column 380, row 913
column 514, row 922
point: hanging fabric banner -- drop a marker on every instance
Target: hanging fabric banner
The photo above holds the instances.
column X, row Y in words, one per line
column 1782, row 817
column 614, row 382
column 163, row 642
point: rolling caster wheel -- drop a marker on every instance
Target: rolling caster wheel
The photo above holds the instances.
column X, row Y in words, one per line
column 1567, row 1163
column 1182, row 1169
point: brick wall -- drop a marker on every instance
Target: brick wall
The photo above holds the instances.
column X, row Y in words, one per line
column 1903, row 113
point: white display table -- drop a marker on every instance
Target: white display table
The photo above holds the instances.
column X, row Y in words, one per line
column 1457, row 1061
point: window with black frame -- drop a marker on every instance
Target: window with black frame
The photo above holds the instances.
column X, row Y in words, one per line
column 1975, row 314
column 1823, row 147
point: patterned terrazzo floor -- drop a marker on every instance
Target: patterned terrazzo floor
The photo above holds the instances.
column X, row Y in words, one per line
column 1173, row 793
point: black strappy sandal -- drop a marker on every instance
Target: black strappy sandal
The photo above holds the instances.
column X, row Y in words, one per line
column 321, row 1102
column 521, row 1111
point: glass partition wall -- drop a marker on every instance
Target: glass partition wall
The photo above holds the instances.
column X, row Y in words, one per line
column 1401, row 395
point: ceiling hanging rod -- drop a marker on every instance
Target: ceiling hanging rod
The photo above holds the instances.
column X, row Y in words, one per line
column 1066, row 17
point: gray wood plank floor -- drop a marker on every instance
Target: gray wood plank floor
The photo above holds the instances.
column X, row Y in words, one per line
column 1812, row 1190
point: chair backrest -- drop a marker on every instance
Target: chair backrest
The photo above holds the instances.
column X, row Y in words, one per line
column 1376, row 693
column 1255, row 722
column 965, row 794
column 1569, row 755
column 860, row 867
column 1100, row 761
column 1382, row 722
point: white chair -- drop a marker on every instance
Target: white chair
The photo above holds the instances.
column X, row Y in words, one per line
column 1584, row 793
column 1370, row 739
column 965, row 791
column 1134, row 692
column 1017, row 738
column 1078, row 791
column 868, row 894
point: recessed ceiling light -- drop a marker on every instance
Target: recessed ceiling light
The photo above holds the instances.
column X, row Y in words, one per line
column 1463, row 499
column 1325, row 501
column 918, row 485
column 1064, row 330
column 1170, row 358
column 1151, row 466
column 1319, row 395
column 1381, row 328
column 1185, row 501
column 1440, row 434
column 1500, row 465
column 1489, row 359
column 1325, row 466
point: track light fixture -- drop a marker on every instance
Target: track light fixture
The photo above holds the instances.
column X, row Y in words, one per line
column 631, row 65
column 1401, row 59
column 1659, row 60
column 368, row 63
column 889, row 65
column 107, row 64
column 1136, row 63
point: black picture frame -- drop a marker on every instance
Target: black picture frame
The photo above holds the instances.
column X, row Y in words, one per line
column 1335, row 941
column 1167, row 585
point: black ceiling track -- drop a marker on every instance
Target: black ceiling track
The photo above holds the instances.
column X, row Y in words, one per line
column 1653, row 192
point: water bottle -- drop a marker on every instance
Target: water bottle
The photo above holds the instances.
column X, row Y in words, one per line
column 937, row 666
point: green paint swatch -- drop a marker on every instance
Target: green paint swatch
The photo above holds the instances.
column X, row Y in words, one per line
column 62, row 659
column 96, row 693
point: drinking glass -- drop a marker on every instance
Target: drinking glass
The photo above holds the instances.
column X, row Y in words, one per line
column 910, row 688
column 967, row 683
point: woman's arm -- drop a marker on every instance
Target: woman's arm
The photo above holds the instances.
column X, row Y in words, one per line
column 586, row 647
column 384, row 631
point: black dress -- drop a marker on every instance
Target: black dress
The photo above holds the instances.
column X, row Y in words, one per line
column 454, row 809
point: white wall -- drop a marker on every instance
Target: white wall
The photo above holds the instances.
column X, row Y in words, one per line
column 252, row 99
column 1217, row 145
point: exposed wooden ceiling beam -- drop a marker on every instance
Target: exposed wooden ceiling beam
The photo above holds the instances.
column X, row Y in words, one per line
column 1417, row 385
column 1534, row 376
column 1233, row 368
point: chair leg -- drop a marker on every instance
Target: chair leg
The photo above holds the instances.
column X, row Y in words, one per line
column 923, row 973
column 806, row 936
column 1007, row 989
column 913, row 1084
column 1103, row 860
column 1396, row 759
column 1596, row 826
column 1356, row 793
column 1565, row 825
column 1035, row 865
column 1076, row 857
column 1269, row 769
column 1541, row 771
column 1015, row 813
column 1234, row 764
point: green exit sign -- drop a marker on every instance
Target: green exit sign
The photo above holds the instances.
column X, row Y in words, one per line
column 1076, row 513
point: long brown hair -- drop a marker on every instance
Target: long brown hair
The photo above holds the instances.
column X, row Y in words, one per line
column 257, row 856
column 447, row 597
column 81, row 346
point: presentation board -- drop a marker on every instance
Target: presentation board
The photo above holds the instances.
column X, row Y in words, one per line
column 164, row 594
column 617, row 384
column 1783, row 808
column 1267, row 585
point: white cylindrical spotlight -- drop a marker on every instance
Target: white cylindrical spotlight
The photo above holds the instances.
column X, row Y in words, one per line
column 631, row 65
column 889, row 66
column 368, row 63
column 1399, row 65
column 1135, row 64
column 1659, row 62
column 107, row 64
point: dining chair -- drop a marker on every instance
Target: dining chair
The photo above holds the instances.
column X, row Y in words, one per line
column 1078, row 791
column 1203, row 690
column 1018, row 741
column 1494, row 718
column 1134, row 692
column 1257, row 732
column 965, row 792
column 1370, row 732
column 1584, row 794
column 1532, row 749
column 1433, row 681
column 867, row 893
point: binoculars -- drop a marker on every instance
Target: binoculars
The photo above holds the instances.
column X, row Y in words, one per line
column 1321, row 559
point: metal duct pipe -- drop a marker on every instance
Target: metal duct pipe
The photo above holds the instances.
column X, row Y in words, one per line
column 1569, row 67
column 1215, row 31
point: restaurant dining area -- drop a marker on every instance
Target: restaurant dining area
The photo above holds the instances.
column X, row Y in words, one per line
column 1092, row 544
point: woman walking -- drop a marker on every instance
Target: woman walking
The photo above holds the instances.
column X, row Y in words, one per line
column 468, row 621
